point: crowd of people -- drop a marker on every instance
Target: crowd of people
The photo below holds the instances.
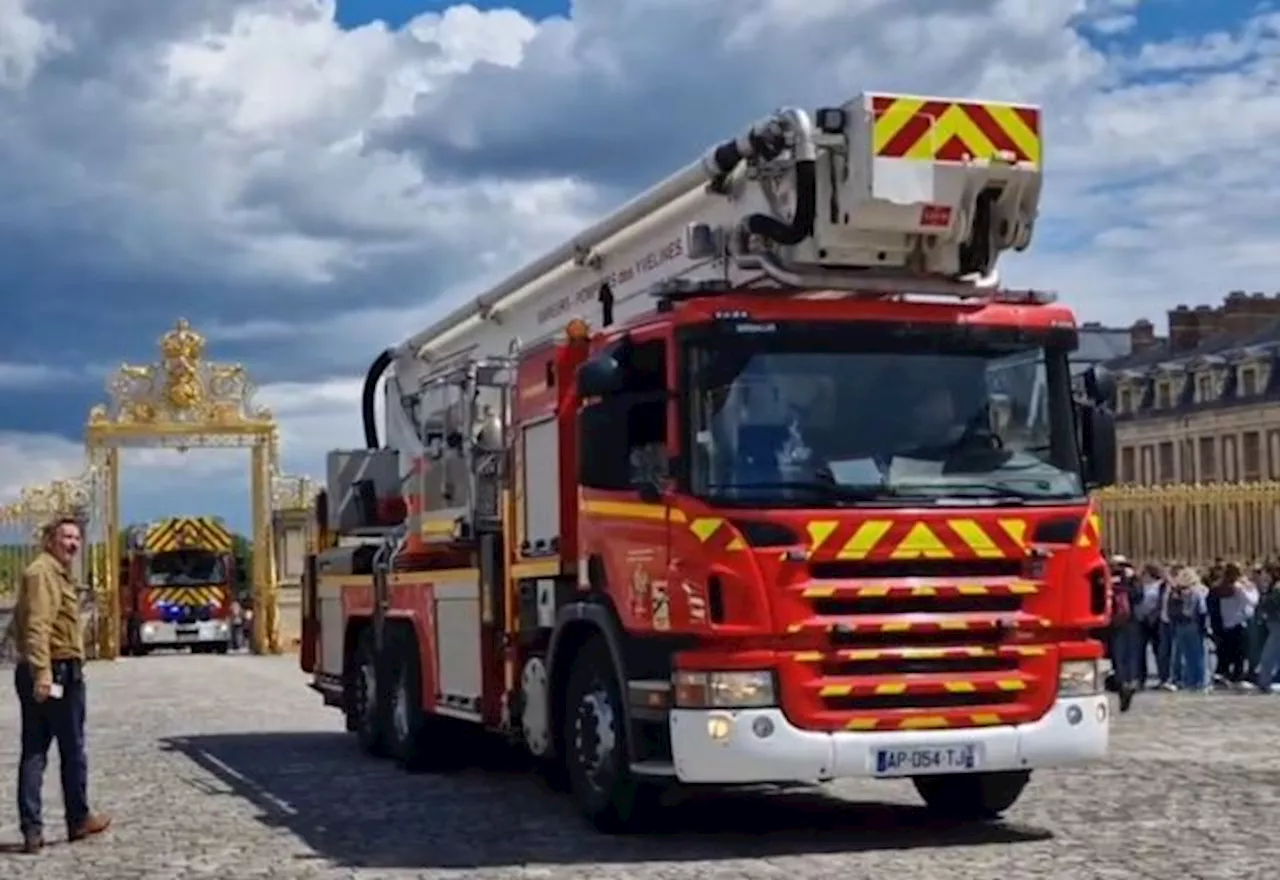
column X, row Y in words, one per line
column 1179, row 629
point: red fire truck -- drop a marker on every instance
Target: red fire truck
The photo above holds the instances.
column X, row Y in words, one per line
column 178, row 587
column 763, row 478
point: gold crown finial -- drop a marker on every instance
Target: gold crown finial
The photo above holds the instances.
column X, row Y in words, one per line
column 182, row 343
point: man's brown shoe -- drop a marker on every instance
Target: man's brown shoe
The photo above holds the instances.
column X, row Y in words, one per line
column 95, row 824
column 32, row 843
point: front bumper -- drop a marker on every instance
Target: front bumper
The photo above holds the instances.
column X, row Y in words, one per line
column 761, row 745
column 154, row 633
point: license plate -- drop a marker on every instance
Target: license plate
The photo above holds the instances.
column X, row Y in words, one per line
column 926, row 760
column 191, row 633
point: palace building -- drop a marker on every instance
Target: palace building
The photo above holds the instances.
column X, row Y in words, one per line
column 1203, row 403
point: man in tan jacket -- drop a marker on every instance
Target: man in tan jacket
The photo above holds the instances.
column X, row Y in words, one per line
column 51, row 688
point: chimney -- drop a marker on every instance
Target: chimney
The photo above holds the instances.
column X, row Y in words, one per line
column 1142, row 336
column 1188, row 327
column 1243, row 314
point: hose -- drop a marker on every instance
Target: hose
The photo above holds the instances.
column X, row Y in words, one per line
column 765, row 142
column 367, row 394
column 801, row 225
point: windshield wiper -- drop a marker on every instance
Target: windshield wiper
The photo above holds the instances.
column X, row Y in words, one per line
column 837, row 491
column 996, row 490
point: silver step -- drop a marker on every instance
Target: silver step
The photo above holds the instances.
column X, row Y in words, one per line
column 659, row 769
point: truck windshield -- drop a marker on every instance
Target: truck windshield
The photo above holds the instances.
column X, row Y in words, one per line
column 787, row 417
column 178, row 568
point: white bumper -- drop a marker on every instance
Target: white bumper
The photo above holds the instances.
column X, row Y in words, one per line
column 762, row 746
column 154, row 633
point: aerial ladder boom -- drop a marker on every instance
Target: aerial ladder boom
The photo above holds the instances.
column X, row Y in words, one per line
column 798, row 201
column 885, row 193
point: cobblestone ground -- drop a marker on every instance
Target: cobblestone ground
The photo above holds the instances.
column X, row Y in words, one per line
column 228, row 768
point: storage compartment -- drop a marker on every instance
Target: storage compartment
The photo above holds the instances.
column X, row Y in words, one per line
column 541, row 460
column 460, row 675
column 332, row 629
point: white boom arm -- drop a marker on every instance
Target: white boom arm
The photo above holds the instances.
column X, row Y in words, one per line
column 885, row 193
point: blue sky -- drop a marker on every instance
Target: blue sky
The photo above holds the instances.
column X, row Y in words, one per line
column 396, row 13
column 306, row 181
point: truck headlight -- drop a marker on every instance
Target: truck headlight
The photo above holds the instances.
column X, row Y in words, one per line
column 148, row 629
column 1079, row 678
column 723, row 690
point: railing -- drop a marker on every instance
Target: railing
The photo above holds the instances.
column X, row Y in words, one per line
column 1193, row 523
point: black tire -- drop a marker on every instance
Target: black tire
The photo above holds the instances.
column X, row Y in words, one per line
column 365, row 704
column 975, row 796
column 221, row 648
column 596, row 751
column 407, row 721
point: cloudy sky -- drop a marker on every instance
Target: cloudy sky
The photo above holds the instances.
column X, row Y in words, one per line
column 308, row 182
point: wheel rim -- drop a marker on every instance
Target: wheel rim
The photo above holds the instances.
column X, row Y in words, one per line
column 366, row 690
column 595, row 738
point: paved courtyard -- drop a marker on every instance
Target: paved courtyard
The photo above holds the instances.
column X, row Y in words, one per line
column 228, row 767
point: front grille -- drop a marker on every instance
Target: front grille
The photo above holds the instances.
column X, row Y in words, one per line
column 920, row 644
column 915, row 604
column 879, row 663
column 915, row 568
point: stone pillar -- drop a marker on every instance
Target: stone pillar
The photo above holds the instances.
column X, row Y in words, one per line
column 292, row 536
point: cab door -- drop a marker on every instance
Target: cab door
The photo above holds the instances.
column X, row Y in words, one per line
column 625, row 443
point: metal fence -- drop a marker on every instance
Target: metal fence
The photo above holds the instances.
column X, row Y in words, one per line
column 1193, row 523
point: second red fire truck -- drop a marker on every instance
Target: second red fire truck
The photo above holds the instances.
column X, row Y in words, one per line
column 763, row 478
column 177, row 589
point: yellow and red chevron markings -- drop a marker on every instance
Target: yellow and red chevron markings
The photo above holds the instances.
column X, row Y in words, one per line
column 188, row 533
column 915, row 591
column 983, row 622
column 880, row 538
column 939, row 130
column 885, row 539
column 1091, row 531
column 186, row 597
column 1005, row 683
column 957, row 652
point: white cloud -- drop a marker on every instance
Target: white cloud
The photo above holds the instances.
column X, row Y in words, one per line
column 15, row 376
column 338, row 185
column 25, row 42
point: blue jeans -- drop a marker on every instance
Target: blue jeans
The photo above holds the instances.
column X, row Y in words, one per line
column 62, row 720
column 1188, row 656
column 1269, row 661
column 1164, row 652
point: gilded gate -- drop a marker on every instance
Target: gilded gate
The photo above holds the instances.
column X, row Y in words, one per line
column 1193, row 523
column 181, row 401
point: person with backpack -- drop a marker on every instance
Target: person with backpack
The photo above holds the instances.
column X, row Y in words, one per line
column 1187, row 612
column 1237, row 601
column 1123, row 635
column 1147, row 601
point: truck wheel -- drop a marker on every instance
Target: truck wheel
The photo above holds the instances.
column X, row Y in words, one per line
column 364, row 707
column 979, row 796
column 596, row 753
column 409, row 724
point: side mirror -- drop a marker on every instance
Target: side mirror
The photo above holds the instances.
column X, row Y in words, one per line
column 1098, row 443
column 1100, row 387
column 599, row 377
